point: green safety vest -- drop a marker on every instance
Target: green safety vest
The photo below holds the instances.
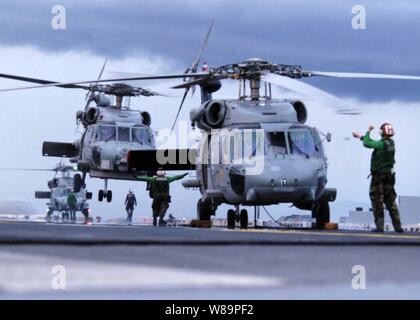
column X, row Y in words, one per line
column 160, row 187
column 383, row 159
column 71, row 199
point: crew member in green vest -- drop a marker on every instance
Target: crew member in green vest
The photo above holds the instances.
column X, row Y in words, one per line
column 382, row 184
column 72, row 203
column 159, row 192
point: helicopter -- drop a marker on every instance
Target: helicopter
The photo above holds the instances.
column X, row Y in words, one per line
column 292, row 163
column 110, row 130
column 60, row 187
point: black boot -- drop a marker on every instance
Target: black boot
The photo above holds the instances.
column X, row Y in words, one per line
column 399, row 229
column 154, row 222
column 162, row 222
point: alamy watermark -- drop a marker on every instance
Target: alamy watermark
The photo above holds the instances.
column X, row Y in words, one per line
column 358, row 22
column 58, row 281
column 243, row 147
column 358, row 281
column 58, row 21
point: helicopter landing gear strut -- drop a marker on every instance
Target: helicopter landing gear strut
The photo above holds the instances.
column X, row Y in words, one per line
column 235, row 216
column 105, row 193
column 321, row 214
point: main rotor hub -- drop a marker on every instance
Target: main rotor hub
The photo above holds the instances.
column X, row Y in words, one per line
column 255, row 68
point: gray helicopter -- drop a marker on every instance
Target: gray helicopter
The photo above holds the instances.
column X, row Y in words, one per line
column 111, row 130
column 60, row 186
column 291, row 162
column 256, row 150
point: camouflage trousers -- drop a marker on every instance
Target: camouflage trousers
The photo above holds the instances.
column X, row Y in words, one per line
column 159, row 207
column 382, row 192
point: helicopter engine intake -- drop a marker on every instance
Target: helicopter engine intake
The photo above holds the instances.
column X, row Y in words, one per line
column 146, row 118
column 301, row 113
column 91, row 115
column 214, row 113
column 52, row 183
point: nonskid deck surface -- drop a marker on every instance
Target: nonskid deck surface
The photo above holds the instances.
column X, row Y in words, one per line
column 56, row 233
column 143, row 262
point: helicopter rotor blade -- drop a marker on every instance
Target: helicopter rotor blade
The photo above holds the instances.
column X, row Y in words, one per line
column 193, row 69
column 296, row 86
column 311, row 92
column 102, row 69
column 91, row 94
column 194, row 82
column 179, row 109
column 203, row 47
column 25, row 169
column 42, row 81
column 75, row 83
column 362, row 75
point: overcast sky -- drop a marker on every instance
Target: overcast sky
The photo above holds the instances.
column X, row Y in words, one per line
column 165, row 36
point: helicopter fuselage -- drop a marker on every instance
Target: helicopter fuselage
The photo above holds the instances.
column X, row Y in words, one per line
column 261, row 153
column 104, row 145
column 60, row 187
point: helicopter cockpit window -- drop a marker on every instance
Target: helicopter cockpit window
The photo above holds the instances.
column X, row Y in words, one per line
column 277, row 142
column 302, row 142
column 123, row 134
column 60, row 192
column 142, row 135
column 106, row 133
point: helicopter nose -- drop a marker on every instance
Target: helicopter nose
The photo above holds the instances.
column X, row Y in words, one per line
column 284, row 183
column 110, row 156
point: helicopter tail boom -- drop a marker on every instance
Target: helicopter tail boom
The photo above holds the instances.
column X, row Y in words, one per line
column 42, row 194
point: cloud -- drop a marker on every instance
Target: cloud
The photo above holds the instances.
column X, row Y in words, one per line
column 316, row 35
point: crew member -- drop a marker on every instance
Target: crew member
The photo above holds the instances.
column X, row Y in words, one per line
column 383, row 177
column 72, row 202
column 130, row 202
column 159, row 192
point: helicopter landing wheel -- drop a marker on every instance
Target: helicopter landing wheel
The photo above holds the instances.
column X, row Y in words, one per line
column 109, row 196
column 244, row 219
column 231, row 219
column 203, row 211
column 100, row 195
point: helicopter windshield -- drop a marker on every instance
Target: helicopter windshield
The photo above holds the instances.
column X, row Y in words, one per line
column 304, row 143
column 142, row 135
column 106, row 133
column 123, row 134
column 277, row 141
column 60, row 192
